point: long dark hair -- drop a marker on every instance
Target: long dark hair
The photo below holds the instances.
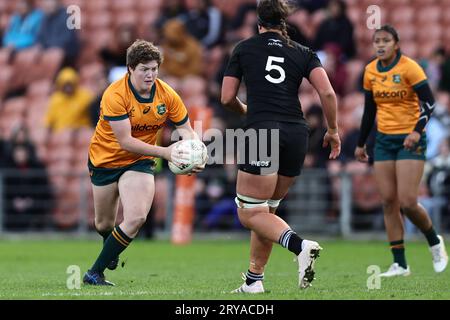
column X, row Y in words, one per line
column 272, row 14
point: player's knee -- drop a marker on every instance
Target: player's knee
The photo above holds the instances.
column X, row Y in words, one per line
column 389, row 203
column 244, row 202
column 104, row 225
column 408, row 203
column 244, row 219
column 135, row 223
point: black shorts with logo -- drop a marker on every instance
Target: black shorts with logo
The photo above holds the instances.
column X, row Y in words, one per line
column 273, row 147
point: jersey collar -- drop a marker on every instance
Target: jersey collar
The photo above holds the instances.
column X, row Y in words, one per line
column 138, row 97
column 380, row 67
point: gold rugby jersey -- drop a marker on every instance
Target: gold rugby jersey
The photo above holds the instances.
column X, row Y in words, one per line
column 393, row 87
column 147, row 115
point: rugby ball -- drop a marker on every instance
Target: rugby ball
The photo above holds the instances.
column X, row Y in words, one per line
column 197, row 156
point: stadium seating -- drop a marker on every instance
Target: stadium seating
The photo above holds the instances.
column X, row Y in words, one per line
column 423, row 25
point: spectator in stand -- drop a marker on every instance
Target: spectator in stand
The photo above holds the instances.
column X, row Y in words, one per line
column 444, row 83
column 335, row 68
column 432, row 67
column 55, row 33
column 28, row 196
column 94, row 107
column 337, row 28
column 317, row 156
column 69, row 104
column 170, row 9
column 23, row 27
column 115, row 54
column 437, row 177
column 219, row 209
column 182, row 52
column 205, row 22
column 312, row 5
column 2, row 153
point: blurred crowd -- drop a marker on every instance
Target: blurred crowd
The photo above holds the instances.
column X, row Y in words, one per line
column 55, row 69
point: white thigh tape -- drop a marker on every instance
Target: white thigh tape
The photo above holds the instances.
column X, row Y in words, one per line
column 273, row 203
column 244, row 202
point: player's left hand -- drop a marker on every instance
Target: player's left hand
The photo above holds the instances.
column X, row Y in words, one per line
column 199, row 168
column 411, row 140
column 334, row 141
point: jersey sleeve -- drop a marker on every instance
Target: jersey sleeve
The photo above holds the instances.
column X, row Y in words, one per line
column 313, row 62
column 177, row 110
column 415, row 76
column 367, row 84
column 234, row 65
column 113, row 107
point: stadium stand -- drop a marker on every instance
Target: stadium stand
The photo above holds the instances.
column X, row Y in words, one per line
column 27, row 77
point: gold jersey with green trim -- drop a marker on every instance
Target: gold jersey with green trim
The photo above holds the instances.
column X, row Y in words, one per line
column 393, row 87
column 146, row 115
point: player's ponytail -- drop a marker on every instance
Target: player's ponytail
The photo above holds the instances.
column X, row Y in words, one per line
column 272, row 14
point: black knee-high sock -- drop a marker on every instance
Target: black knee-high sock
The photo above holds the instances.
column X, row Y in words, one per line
column 290, row 240
column 398, row 251
column 431, row 237
column 105, row 234
column 113, row 246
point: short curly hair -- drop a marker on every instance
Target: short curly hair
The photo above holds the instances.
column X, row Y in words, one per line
column 142, row 51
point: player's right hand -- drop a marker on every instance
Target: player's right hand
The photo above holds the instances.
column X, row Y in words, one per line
column 361, row 154
column 176, row 155
column 334, row 141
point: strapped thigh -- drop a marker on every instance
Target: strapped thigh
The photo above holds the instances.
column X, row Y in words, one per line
column 245, row 202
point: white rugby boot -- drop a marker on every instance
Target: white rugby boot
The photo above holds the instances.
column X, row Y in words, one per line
column 396, row 270
column 255, row 287
column 306, row 260
column 439, row 254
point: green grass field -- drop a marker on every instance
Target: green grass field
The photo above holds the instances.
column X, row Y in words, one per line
column 210, row 269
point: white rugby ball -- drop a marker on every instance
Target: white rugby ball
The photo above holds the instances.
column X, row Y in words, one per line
column 198, row 156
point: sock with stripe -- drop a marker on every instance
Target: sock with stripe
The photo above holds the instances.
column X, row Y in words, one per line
column 251, row 277
column 113, row 246
column 290, row 240
column 398, row 251
column 431, row 237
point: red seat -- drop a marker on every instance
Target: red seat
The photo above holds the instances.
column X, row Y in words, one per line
column 39, row 89
column 428, row 13
column 97, row 6
column 83, row 137
column 101, row 38
column 128, row 17
column 123, row 5
column 409, row 48
column 429, row 31
column 61, row 139
column 49, row 64
column 5, row 77
column 14, row 106
column 24, row 61
column 99, row 19
column 402, row 14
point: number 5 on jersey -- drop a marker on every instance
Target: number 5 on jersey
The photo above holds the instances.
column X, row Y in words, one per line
column 270, row 66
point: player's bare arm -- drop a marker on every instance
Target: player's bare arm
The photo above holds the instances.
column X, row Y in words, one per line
column 321, row 83
column 230, row 87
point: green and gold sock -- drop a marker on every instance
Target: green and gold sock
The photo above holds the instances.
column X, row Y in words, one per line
column 117, row 242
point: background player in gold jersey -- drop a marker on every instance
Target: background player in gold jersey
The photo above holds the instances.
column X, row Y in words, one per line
column 397, row 92
column 122, row 149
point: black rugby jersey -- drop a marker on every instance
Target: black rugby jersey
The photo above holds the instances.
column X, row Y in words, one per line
column 272, row 72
